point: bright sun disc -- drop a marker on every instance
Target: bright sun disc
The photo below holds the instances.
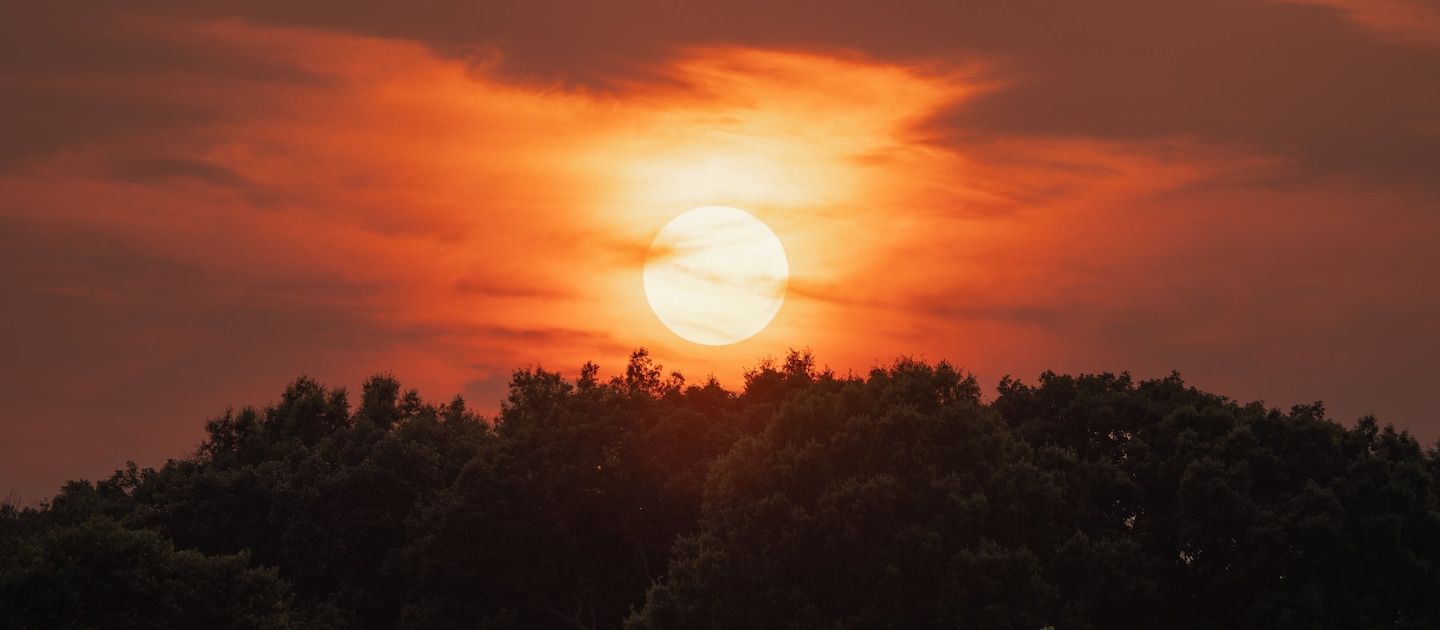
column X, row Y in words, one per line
column 716, row 275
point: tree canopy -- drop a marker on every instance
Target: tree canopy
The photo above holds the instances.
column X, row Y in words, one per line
column 901, row 498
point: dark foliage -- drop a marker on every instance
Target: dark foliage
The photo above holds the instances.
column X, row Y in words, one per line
column 899, row 499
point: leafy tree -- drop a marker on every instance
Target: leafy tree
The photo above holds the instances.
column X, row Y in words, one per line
column 98, row 574
column 899, row 498
column 570, row 515
column 898, row 501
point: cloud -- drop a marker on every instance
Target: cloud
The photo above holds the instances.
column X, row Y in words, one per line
column 151, row 170
column 1413, row 22
column 1284, row 77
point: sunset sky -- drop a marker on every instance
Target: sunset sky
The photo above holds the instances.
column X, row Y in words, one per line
column 201, row 200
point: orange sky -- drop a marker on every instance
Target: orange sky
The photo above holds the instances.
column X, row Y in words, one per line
column 199, row 203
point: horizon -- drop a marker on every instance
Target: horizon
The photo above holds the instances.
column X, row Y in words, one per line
column 490, row 410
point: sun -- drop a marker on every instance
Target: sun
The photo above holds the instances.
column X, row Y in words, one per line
column 716, row 275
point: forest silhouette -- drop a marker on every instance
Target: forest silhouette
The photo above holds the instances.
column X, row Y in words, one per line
column 900, row 498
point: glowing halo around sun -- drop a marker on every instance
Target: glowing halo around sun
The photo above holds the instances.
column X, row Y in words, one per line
column 716, row 275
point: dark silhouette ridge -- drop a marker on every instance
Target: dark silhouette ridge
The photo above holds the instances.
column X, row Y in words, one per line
column 805, row 500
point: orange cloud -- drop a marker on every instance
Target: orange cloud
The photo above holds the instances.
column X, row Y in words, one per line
column 1404, row 20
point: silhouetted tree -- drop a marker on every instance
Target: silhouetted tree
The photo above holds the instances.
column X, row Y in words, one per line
column 98, row 574
column 898, row 498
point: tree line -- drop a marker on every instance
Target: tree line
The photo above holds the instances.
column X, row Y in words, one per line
column 900, row 498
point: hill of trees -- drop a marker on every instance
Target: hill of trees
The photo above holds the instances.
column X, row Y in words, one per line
column 897, row 499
